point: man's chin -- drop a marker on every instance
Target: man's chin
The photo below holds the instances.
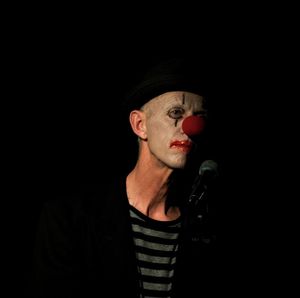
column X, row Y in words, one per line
column 179, row 165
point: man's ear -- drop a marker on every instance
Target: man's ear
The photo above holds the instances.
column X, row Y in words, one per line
column 137, row 122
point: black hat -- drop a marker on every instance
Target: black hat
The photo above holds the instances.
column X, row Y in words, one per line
column 174, row 74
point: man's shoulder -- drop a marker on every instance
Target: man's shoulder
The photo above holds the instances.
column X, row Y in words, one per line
column 88, row 200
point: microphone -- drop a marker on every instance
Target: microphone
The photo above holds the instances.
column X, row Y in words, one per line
column 208, row 172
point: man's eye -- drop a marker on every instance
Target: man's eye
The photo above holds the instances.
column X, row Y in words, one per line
column 176, row 113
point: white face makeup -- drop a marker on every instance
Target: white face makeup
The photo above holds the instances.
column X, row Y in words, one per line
column 164, row 115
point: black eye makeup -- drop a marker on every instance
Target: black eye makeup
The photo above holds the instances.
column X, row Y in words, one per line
column 176, row 113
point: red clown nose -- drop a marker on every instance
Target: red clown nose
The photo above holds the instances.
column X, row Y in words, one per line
column 193, row 125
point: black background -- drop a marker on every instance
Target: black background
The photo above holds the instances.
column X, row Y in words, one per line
column 62, row 127
column 63, row 70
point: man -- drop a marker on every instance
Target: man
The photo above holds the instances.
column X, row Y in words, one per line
column 144, row 235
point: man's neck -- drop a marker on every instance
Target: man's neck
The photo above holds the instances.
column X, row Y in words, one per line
column 147, row 189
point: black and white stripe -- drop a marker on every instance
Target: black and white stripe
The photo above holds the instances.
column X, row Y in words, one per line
column 156, row 244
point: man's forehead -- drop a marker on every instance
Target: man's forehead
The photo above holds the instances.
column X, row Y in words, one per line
column 176, row 97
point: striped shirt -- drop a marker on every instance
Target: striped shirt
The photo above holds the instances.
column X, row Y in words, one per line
column 156, row 245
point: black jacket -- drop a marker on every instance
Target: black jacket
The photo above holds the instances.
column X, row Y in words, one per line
column 84, row 249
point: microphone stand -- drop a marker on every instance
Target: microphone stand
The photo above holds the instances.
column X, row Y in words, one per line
column 196, row 216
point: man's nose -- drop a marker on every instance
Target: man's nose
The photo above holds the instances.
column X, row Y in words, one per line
column 193, row 125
